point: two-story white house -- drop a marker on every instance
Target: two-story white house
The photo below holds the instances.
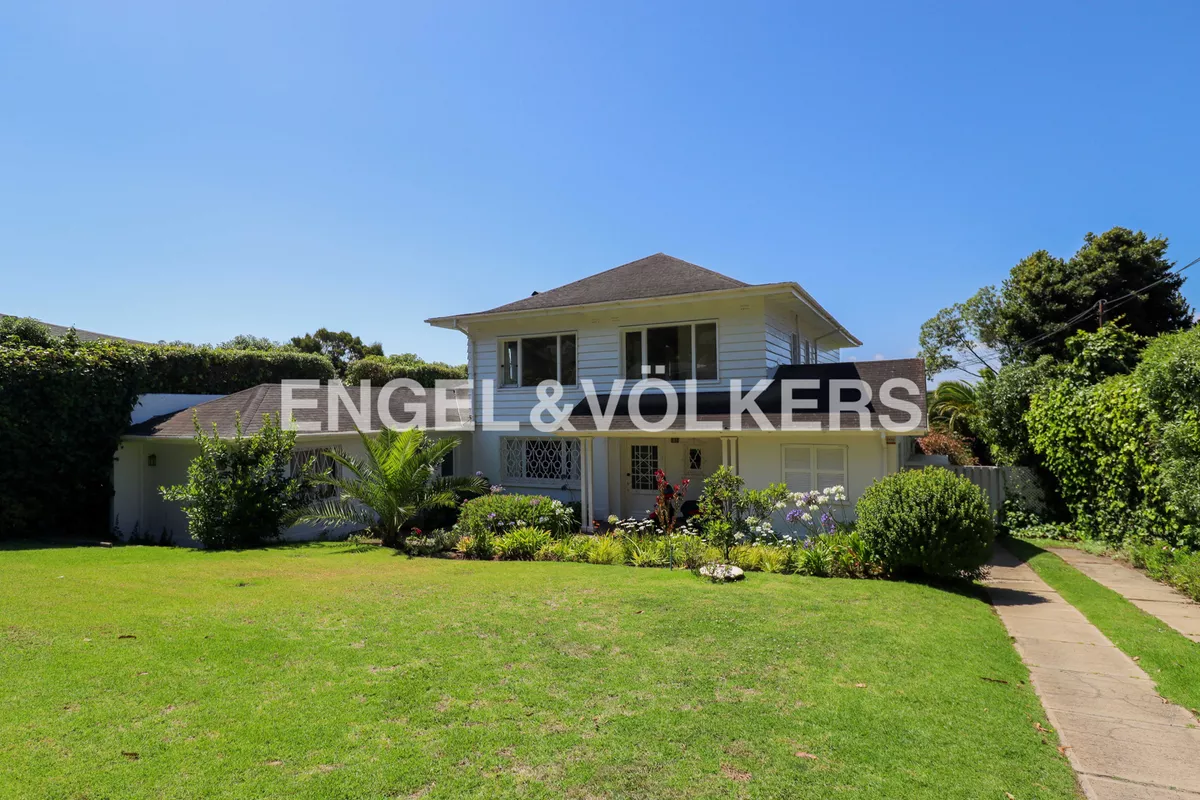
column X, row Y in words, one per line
column 668, row 319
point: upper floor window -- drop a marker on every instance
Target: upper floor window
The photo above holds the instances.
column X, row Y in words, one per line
column 672, row 352
column 529, row 360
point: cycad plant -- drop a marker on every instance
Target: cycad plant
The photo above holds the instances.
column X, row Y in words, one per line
column 394, row 482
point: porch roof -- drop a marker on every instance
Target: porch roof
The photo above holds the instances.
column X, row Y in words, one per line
column 715, row 406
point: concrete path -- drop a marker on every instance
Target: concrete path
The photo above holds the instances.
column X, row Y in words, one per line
column 1172, row 607
column 1124, row 741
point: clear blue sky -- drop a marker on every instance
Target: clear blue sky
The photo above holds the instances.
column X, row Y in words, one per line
column 270, row 168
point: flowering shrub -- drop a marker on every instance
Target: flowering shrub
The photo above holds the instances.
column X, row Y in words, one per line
column 954, row 445
column 498, row 513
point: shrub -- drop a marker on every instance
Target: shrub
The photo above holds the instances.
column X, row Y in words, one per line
column 1099, row 442
column 951, row 444
column 929, row 521
column 645, row 551
column 481, row 545
column 501, row 512
column 240, row 490
column 430, row 544
column 379, row 370
column 1164, row 562
column 606, row 550
column 522, row 544
column 186, row 369
column 62, row 412
column 1170, row 373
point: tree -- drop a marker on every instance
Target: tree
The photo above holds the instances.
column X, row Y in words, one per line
column 395, row 481
column 25, row 330
column 1046, row 299
column 958, row 338
column 342, row 347
column 240, row 490
column 248, row 341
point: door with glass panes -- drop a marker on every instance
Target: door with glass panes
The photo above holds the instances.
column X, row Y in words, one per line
column 639, row 487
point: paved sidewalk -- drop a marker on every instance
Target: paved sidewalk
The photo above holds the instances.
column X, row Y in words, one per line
column 1149, row 595
column 1124, row 740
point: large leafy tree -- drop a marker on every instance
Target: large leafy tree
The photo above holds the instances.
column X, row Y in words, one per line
column 1044, row 293
column 342, row 347
column 394, row 482
column 1046, row 299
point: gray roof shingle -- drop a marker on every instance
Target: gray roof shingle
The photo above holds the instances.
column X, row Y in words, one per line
column 659, row 275
column 267, row 398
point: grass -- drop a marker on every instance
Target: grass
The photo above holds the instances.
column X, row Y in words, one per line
column 324, row 671
column 1168, row 657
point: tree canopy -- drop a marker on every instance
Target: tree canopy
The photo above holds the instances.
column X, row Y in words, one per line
column 1046, row 299
column 342, row 347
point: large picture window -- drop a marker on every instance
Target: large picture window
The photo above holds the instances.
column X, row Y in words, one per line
column 540, row 461
column 809, row 467
column 529, row 360
column 672, row 352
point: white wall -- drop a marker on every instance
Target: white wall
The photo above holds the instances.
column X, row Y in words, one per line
column 137, row 500
column 741, row 346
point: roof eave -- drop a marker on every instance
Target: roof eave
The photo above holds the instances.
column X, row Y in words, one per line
column 456, row 321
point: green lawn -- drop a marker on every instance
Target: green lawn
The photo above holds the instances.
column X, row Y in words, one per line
column 321, row 671
column 1171, row 659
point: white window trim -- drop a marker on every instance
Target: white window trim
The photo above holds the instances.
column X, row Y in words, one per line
column 547, row 483
column 501, row 341
column 693, row 323
column 812, row 468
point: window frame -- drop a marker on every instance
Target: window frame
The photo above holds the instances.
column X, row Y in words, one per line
column 570, row 459
column 813, row 472
column 503, row 341
column 644, row 331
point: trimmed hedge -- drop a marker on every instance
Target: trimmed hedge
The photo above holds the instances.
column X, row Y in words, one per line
column 62, row 413
column 927, row 521
column 379, row 370
column 206, row 370
column 64, row 407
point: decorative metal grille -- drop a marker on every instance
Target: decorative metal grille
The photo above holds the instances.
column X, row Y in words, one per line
column 695, row 459
column 547, row 461
column 643, row 464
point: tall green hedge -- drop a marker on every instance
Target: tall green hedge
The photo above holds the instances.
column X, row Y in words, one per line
column 62, row 413
column 64, row 407
column 207, row 370
column 379, row 370
column 1126, row 450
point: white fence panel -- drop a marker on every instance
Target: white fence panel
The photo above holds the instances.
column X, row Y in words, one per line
column 990, row 479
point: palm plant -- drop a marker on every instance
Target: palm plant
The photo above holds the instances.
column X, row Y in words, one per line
column 954, row 407
column 394, row 482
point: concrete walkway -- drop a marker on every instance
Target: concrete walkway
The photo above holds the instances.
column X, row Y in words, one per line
column 1173, row 608
column 1124, row 741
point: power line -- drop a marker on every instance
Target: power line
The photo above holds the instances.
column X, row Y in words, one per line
column 1104, row 305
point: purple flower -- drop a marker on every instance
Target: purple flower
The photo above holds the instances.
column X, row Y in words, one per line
column 794, row 515
column 492, row 515
column 827, row 522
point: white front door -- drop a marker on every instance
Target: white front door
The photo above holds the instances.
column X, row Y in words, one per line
column 639, row 489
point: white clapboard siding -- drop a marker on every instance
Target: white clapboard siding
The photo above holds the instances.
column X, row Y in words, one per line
column 753, row 338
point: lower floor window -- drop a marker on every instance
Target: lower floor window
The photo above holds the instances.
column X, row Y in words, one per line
column 808, row 467
column 540, row 460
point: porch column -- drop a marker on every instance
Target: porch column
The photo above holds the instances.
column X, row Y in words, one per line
column 587, row 484
column 729, row 453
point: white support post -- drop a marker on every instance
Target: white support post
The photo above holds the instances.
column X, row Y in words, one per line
column 588, row 489
column 729, row 453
